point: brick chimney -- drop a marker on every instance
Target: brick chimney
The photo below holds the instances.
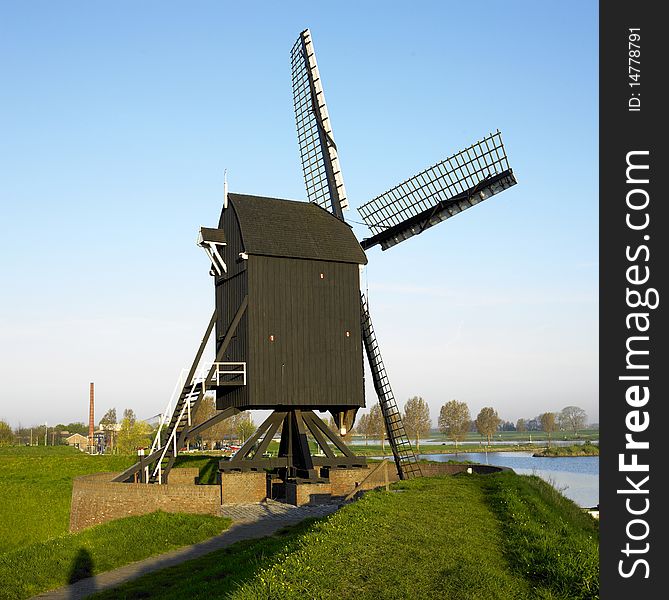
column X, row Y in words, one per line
column 91, row 421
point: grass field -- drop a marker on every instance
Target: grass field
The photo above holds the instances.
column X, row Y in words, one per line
column 36, row 550
column 468, row 537
column 36, row 489
column 500, row 442
column 573, row 450
column 64, row 559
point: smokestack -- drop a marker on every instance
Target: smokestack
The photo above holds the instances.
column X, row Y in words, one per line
column 91, row 421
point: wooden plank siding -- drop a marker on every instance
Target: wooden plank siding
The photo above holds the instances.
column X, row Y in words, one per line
column 312, row 362
column 231, row 289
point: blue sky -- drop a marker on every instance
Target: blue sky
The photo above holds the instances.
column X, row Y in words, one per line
column 118, row 118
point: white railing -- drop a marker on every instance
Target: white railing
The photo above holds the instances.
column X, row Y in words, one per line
column 229, row 368
column 166, row 415
column 171, row 440
column 213, row 374
column 209, row 374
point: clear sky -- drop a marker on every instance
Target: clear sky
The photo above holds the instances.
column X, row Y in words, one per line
column 118, row 118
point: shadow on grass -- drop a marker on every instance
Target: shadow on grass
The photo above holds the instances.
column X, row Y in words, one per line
column 82, row 568
column 208, row 466
column 209, row 570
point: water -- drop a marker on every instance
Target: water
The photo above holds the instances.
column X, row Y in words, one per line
column 542, row 443
column 576, row 477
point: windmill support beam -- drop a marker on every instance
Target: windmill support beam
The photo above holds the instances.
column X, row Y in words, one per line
column 221, row 416
column 294, row 460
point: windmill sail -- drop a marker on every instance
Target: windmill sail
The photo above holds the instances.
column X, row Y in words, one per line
column 438, row 193
column 320, row 162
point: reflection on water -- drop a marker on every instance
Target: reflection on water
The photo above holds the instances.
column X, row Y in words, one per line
column 576, row 477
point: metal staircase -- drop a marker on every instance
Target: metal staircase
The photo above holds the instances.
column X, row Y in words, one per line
column 176, row 425
column 189, row 399
column 405, row 459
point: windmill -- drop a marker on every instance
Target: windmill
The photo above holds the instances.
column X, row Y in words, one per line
column 290, row 321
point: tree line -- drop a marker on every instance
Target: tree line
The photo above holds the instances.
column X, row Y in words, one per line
column 455, row 421
column 128, row 434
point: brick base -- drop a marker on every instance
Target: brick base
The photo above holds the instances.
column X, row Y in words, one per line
column 301, row 494
column 242, row 488
column 96, row 499
column 184, row 476
column 343, row 481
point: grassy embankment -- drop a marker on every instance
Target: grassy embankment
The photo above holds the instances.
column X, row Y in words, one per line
column 37, row 552
column 586, row 449
column 503, row 536
column 520, row 442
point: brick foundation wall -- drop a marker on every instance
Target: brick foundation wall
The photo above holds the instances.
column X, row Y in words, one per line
column 184, row 476
column 301, row 494
column 344, row 480
column 242, row 488
column 435, row 470
column 95, row 499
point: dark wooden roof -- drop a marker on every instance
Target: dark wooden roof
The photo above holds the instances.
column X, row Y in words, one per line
column 274, row 227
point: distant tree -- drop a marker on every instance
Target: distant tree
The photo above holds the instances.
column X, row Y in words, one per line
column 6, row 434
column 109, row 417
column 205, row 411
column 243, row 425
column 22, row 435
column 129, row 414
column 548, row 424
column 521, row 425
column 377, row 425
column 487, row 422
column 77, row 427
column 132, row 436
column 534, row 424
column 508, row 426
column 38, row 434
column 108, row 425
column 416, row 418
column 573, row 418
column 363, row 425
column 455, row 421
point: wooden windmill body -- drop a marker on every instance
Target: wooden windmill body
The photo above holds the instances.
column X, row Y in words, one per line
column 290, row 322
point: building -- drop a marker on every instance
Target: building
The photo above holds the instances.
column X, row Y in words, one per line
column 78, row 441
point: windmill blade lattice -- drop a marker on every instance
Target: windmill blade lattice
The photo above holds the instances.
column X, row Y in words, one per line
column 438, row 193
column 318, row 151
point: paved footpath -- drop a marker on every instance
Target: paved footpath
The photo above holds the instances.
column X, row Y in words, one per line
column 250, row 521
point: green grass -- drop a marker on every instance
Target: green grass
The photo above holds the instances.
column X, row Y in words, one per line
column 208, row 466
column 586, row 449
column 547, row 538
column 37, row 552
column 523, row 436
column 36, row 490
column 67, row 558
column 215, row 574
column 457, row 538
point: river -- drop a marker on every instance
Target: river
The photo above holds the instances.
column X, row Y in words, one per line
column 577, row 477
